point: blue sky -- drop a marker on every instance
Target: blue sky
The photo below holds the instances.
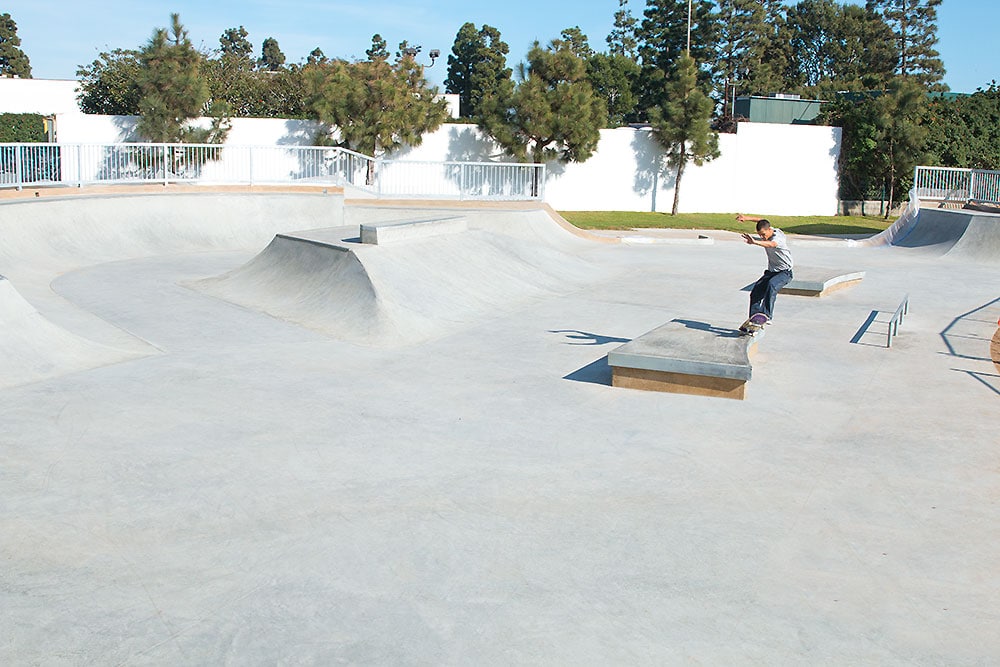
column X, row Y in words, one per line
column 58, row 36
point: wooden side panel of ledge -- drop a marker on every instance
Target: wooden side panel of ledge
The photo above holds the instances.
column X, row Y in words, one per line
column 686, row 357
column 678, row 383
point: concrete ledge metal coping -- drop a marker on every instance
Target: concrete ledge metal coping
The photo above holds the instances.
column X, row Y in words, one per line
column 381, row 233
column 686, row 357
column 819, row 282
column 701, row 239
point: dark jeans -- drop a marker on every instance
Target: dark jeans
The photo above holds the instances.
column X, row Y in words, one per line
column 765, row 291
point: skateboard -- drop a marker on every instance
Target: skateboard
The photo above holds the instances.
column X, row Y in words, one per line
column 753, row 324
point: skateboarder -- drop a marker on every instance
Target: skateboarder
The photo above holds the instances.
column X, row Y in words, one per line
column 779, row 267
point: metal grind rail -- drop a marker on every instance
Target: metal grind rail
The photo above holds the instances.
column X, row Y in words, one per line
column 897, row 319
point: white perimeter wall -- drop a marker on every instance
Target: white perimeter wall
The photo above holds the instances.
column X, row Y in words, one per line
column 764, row 168
column 42, row 96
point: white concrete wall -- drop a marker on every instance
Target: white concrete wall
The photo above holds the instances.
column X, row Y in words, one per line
column 42, row 96
column 764, row 168
column 77, row 128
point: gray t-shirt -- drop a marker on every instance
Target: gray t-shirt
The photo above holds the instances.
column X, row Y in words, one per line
column 778, row 258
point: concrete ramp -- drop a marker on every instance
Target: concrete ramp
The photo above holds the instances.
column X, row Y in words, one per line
column 936, row 230
column 42, row 239
column 981, row 240
column 963, row 235
column 959, row 234
column 401, row 293
column 33, row 348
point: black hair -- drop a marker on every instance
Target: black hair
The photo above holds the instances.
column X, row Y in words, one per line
column 763, row 224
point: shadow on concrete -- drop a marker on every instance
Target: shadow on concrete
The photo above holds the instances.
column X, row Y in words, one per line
column 993, row 384
column 598, row 372
column 588, row 338
column 865, row 330
column 977, row 318
column 711, row 328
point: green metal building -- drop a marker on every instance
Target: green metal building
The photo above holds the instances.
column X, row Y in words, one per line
column 783, row 109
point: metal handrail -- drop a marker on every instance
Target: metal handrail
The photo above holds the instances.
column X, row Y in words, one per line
column 957, row 184
column 51, row 164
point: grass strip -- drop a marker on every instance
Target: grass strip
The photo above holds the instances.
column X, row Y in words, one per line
column 818, row 225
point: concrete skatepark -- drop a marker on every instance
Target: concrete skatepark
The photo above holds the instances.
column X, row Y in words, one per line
column 420, row 457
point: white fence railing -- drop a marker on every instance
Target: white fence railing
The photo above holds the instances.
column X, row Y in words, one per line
column 951, row 184
column 36, row 165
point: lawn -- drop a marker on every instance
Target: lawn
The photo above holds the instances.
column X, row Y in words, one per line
column 805, row 224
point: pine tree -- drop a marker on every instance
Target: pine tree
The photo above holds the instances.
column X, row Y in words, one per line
column 231, row 77
column 663, row 39
column 373, row 106
column 884, row 138
column 614, row 78
column 621, row 41
column 576, row 41
column 662, row 35
column 173, row 89
column 316, row 56
column 235, row 46
column 477, row 68
column 271, row 57
column 553, row 114
column 749, row 61
column 914, row 27
column 903, row 134
column 13, row 61
column 681, row 123
column 378, row 50
column 837, row 47
column 406, row 51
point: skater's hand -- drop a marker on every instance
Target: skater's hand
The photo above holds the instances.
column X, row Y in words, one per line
column 748, row 238
column 740, row 217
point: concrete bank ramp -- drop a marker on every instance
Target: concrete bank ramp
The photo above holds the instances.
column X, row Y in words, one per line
column 410, row 291
column 956, row 234
column 33, row 348
column 45, row 238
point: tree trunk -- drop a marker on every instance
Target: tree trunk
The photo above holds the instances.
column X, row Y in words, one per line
column 370, row 175
column 892, row 183
column 677, row 183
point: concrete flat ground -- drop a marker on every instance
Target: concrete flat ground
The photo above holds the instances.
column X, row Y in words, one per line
column 253, row 491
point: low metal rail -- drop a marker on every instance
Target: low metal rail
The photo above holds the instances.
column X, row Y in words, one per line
column 897, row 319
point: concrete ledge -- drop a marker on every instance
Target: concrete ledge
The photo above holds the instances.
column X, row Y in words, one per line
column 820, row 282
column 380, row 233
column 684, row 357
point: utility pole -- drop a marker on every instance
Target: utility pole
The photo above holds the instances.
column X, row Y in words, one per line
column 689, row 28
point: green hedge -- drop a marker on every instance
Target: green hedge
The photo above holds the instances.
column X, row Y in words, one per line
column 22, row 127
